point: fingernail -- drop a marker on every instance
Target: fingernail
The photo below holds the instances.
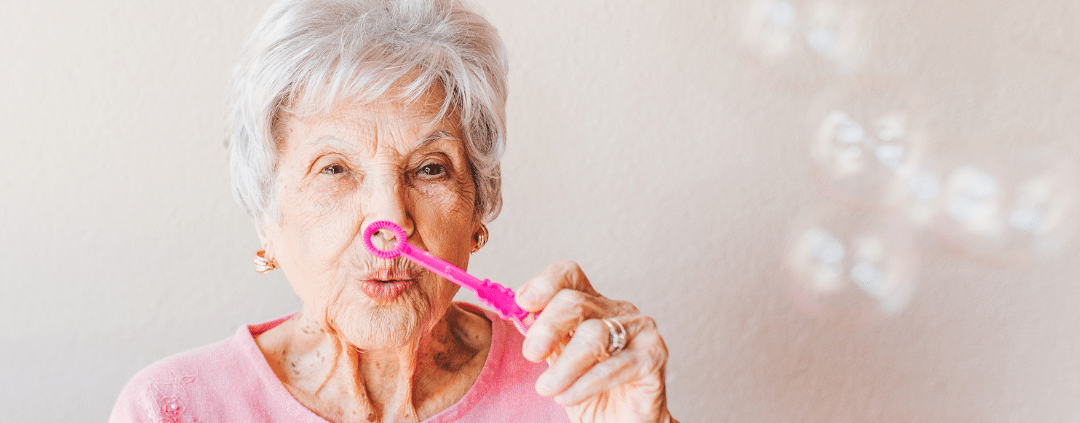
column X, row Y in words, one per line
column 526, row 297
column 543, row 385
column 530, row 350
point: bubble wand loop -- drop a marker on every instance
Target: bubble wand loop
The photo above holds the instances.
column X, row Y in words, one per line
column 490, row 293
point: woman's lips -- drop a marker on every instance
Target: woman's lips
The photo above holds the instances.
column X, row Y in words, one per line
column 385, row 290
column 386, row 284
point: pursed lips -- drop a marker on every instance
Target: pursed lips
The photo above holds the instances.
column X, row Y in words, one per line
column 387, row 275
column 386, row 284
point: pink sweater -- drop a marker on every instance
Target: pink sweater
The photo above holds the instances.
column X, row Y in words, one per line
column 230, row 381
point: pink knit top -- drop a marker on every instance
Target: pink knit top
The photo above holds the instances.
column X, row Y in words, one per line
column 230, row 381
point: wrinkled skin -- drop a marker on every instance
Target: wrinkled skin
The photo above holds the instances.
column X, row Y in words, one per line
column 625, row 387
column 359, row 351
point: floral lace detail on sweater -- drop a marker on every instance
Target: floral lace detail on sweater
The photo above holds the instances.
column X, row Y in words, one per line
column 169, row 401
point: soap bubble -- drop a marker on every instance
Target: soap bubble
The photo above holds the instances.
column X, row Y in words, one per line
column 1016, row 204
column 922, row 191
column 804, row 40
column 869, row 142
column 781, row 14
column 924, row 185
column 973, row 200
column 851, row 269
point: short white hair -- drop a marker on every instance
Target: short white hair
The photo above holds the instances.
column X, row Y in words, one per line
column 314, row 54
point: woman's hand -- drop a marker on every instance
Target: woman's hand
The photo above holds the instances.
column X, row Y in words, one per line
column 569, row 333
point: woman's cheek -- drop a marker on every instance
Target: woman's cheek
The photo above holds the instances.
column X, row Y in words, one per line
column 327, row 217
column 317, row 206
column 331, row 197
column 447, row 212
column 451, row 197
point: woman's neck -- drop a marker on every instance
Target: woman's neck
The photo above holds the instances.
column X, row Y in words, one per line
column 407, row 383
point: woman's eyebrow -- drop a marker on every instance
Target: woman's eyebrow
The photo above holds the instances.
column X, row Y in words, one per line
column 326, row 140
column 435, row 136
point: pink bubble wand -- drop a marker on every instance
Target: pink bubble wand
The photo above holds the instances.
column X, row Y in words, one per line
column 498, row 297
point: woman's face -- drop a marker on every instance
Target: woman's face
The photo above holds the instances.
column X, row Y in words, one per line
column 340, row 172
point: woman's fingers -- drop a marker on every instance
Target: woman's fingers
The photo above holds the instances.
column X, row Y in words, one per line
column 560, row 319
column 569, row 332
column 583, row 371
column 583, row 351
column 639, row 366
column 603, row 377
column 535, row 294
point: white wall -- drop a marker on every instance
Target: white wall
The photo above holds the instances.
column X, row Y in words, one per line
column 655, row 144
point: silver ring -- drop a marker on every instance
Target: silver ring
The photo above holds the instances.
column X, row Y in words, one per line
column 616, row 336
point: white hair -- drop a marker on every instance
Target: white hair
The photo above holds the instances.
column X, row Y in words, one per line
column 313, row 54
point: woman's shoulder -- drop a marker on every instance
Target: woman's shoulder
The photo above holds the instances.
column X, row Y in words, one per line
column 210, row 383
column 199, row 360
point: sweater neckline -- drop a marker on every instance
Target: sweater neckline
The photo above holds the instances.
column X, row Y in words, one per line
column 281, row 396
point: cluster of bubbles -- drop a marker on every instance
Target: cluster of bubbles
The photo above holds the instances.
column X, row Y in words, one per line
column 864, row 146
column 1015, row 206
column 1010, row 206
column 882, row 166
column 803, row 41
column 1007, row 207
column 850, row 267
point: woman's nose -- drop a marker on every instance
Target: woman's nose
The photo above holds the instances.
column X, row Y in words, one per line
column 386, row 200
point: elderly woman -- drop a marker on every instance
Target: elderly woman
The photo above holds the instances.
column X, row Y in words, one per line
column 345, row 113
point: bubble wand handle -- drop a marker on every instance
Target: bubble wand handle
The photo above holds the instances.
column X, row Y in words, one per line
column 498, row 297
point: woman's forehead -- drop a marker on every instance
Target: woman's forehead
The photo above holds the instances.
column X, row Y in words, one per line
column 372, row 126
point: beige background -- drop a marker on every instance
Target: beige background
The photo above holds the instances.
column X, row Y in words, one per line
column 661, row 145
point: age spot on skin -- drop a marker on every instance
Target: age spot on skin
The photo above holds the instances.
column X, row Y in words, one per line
column 457, row 355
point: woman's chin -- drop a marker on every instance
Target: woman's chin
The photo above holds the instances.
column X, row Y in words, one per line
column 371, row 323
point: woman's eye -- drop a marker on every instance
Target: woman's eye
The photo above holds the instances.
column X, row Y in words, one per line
column 432, row 169
column 333, row 170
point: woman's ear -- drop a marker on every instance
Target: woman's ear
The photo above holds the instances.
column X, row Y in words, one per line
column 264, row 239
